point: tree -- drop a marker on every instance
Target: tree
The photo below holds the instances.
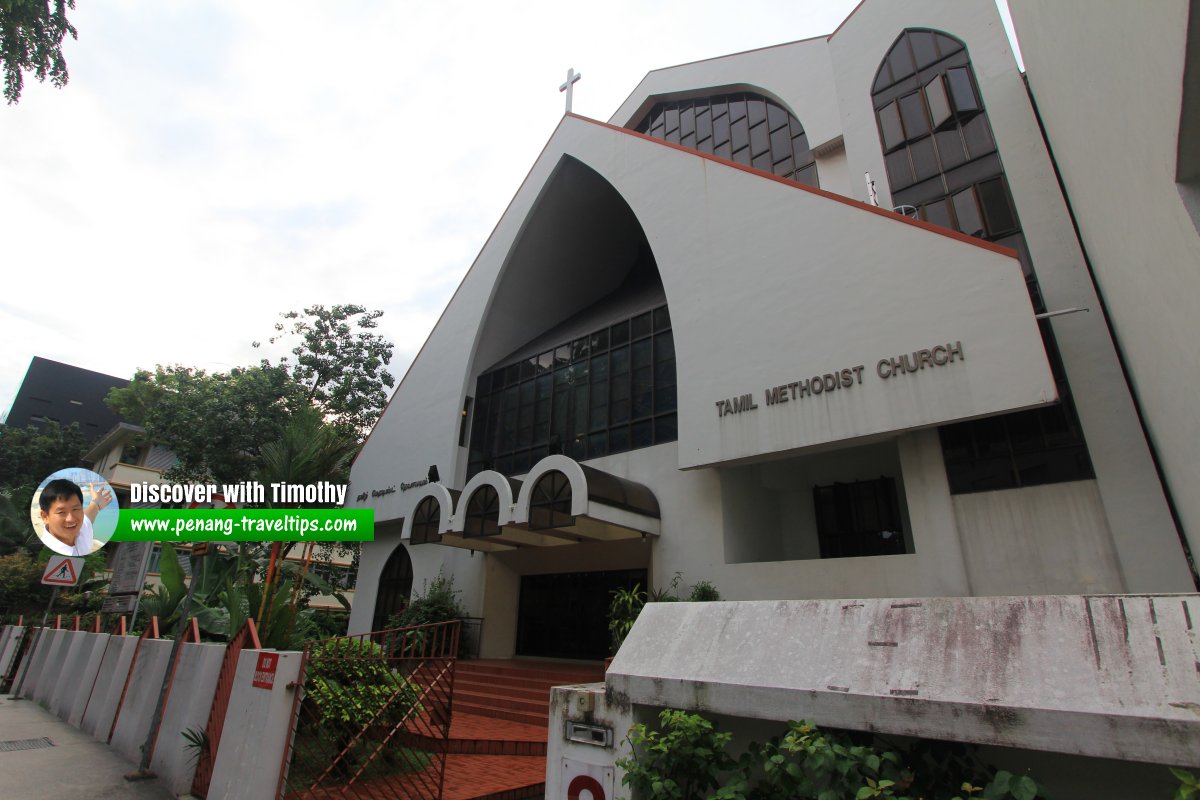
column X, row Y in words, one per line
column 310, row 450
column 29, row 454
column 218, row 424
column 31, row 36
column 340, row 362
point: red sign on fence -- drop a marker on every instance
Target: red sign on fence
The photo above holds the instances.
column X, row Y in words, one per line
column 264, row 671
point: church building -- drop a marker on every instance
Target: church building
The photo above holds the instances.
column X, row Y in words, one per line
column 809, row 321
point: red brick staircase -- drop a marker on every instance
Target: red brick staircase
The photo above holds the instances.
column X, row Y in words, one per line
column 497, row 748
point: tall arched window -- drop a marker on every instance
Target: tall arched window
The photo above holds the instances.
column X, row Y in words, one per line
column 942, row 160
column 744, row 127
column 395, row 585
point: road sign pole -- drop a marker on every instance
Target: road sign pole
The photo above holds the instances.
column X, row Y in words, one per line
column 49, row 608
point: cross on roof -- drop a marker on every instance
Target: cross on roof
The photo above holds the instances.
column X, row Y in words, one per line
column 572, row 78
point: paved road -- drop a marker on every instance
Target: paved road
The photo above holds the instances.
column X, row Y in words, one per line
column 76, row 767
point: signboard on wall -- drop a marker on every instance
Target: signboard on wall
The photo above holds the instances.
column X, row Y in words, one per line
column 264, row 670
column 583, row 781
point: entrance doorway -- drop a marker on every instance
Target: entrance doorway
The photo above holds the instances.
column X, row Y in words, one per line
column 395, row 585
column 566, row 615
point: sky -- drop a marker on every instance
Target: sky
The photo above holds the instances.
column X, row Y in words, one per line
column 212, row 164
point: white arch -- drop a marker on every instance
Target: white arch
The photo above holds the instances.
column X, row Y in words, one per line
column 445, row 507
column 503, row 489
column 569, row 468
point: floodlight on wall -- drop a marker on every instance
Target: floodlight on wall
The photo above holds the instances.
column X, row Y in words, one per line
column 433, row 474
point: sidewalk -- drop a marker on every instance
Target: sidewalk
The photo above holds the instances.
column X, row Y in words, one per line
column 76, row 766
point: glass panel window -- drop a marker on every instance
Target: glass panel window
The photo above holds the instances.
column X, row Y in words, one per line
column 978, row 135
column 924, row 158
column 889, row 125
column 997, row 208
column 923, row 48
column 937, row 213
column 938, row 102
column 956, row 178
column 759, row 140
column 912, row 111
column 962, row 90
column 747, row 128
column 966, row 209
column 584, row 407
column 899, row 169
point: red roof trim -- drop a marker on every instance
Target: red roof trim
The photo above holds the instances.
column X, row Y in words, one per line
column 849, row 201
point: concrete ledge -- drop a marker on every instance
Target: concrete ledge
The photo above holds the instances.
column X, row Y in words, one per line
column 1110, row 676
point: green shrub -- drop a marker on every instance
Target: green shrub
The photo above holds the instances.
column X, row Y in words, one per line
column 687, row 760
column 439, row 603
column 353, row 686
column 704, row 592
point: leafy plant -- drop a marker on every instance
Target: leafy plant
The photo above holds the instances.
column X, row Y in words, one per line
column 1189, row 784
column 687, row 759
column 197, row 744
column 439, row 602
column 623, row 611
column 667, row 594
column 704, row 592
column 684, row 760
column 354, row 687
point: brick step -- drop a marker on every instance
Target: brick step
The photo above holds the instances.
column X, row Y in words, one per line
column 516, row 688
column 501, row 697
column 467, row 777
column 480, row 747
column 571, row 673
column 475, row 777
column 535, row 683
column 540, row 718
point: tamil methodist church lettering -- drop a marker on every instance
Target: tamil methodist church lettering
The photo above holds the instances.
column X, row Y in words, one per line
column 846, row 378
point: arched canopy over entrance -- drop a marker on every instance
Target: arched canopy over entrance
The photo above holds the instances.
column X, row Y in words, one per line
column 570, row 498
column 561, row 502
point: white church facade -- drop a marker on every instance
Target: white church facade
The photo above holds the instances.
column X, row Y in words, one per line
column 697, row 342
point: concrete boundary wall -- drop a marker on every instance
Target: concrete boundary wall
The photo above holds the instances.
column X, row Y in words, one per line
column 88, row 678
column 30, row 673
column 52, row 666
column 81, row 677
column 98, row 712
column 10, row 642
column 257, row 729
column 75, row 676
column 137, row 709
column 188, row 707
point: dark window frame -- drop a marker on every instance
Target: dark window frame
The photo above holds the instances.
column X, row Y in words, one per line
column 745, row 127
column 859, row 519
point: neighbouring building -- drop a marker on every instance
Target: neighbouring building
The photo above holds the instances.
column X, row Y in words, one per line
column 55, row 392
